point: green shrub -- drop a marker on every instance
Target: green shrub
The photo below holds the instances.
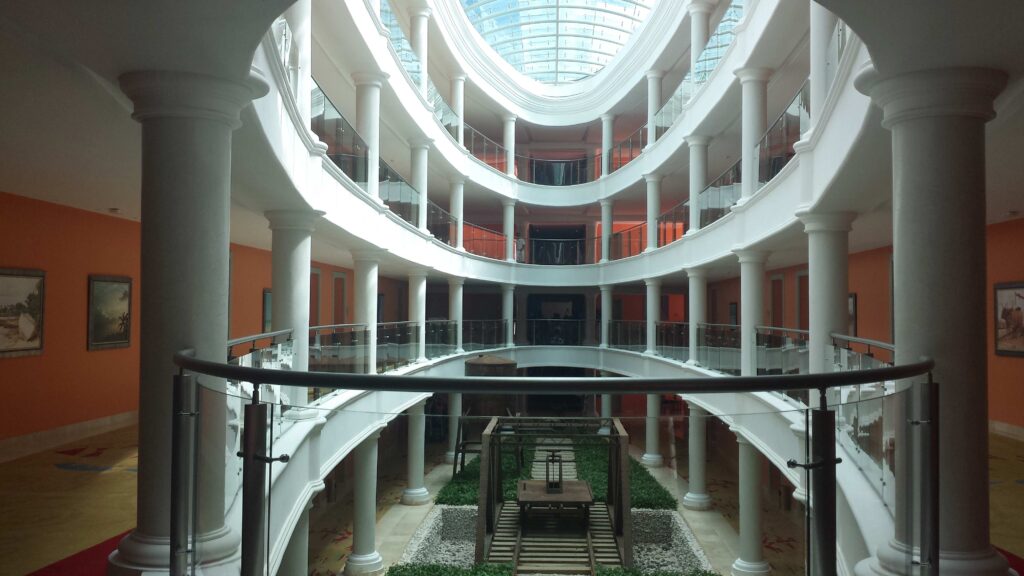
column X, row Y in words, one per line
column 464, row 488
column 443, row 570
column 644, row 490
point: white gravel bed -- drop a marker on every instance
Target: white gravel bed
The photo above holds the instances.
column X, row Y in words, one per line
column 663, row 542
column 446, row 536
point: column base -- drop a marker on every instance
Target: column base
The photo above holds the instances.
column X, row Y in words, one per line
column 449, row 457
column 652, row 460
column 300, row 413
column 692, row 501
column 138, row 554
column 364, row 565
column 891, row 560
column 604, row 431
column 743, row 568
column 692, row 362
column 416, row 497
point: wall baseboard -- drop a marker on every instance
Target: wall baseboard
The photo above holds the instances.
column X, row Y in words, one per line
column 1004, row 429
column 19, row 446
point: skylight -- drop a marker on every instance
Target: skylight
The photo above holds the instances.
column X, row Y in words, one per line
column 557, row 41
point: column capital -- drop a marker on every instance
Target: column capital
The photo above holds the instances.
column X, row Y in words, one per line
column 508, row 288
column 607, row 117
column 418, row 273
column 369, row 78
column 457, row 179
column 372, row 436
column 741, row 438
column 751, row 256
column 697, row 273
column 927, row 93
column 652, row 282
column 508, row 117
column 508, row 202
column 826, row 221
column 367, row 255
column 753, row 74
column 700, row 7
column 652, row 178
column 607, row 287
column 423, row 12
column 654, row 74
column 459, row 77
column 293, row 219
column 457, row 281
column 606, row 202
column 166, row 94
column 420, row 143
column 697, row 140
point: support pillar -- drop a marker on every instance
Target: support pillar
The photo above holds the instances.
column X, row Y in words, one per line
column 607, row 143
column 508, row 228
column 458, row 209
column 751, row 561
column 509, row 143
column 419, row 39
column 507, row 295
column 751, row 306
column 827, row 271
column 653, row 314
column 697, row 309
column 652, row 450
column 416, row 493
column 459, row 105
column 697, row 497
column 653, row 103
column 366, row 265
column 364, row 558
column 454, row 411
column 368, row 124
column 420, row 149
column 418, row 311
column 455, row 290
column 754, row 85
column 606, row 314
column 698, row 146
column 295, row 559
column 937, row 118
column 823, row 22
column 187, row 120
column 700, row 15
column 590, row 318
column 299, row 17
column 653, row 209
column 606, row 228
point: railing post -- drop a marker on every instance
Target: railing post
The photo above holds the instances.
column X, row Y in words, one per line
column 823, row 489
column 183, row 429
column 927, row 447
column 254, row 486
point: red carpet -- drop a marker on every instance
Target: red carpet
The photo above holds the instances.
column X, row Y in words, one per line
column 88, row 562
column 1016, row 562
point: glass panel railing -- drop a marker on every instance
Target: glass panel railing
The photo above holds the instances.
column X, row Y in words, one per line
column 718, row 347
column 400, row 197
column 441, row 224
column 339, row 348
column 483, row 334
column 483, row 241
column 484, row 149
column 836, row 47
column 442, row 111
column 558, row 171
column 555, row 331
column 440, row 338
column 561, row 251
column 783, row 351
column 403, row 48
column 397, row 345
column 345, row 147
column 628, row 242
column 673, row 223
column 716, row 200
column 628, row 335
column 775, row 149
column 674, row 340
column 624, row 151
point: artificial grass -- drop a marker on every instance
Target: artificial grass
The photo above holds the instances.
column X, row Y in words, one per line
column 443, row 570
column 644, row 490
column 464, row 488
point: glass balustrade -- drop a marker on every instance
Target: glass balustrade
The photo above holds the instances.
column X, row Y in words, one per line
column 775, row 149
column 483, row 241
column 628, row 335
column 673, row 223
column 558, row 171
column 555, row 331
column 440, row 338
column 673, row 340
column 483, row 334
column 484, row 149
column 397, row 345
column 716, row 200
column 345, row 147
column 399, row 196
column 339, row 348
column 441, row 224
column 718, row 347
column 783, row 351
column 561, row 251
column 403, row 48
column 836, row 47
column 624, row 151
column 628, row 242
column 444, row 114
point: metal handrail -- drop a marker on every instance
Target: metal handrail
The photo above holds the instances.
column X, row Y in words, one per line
column 864, row 341
column 782, row 329
column 274, row 334
column 334, row 326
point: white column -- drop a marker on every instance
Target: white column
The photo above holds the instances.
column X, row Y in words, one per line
column 368, row 124
column 697, row 310
column 295, row 559
column 418, row 310
column 416, row 492
column 364, row 558
column 606, row 412
column 419, row 149
column 698, row 146
column 751, row 306
column 507, row 295
column 509, row 142
column 606, row 313
column 751, row 561
column 508, row 223
column 652, row 452
column 187, row 121
column 606, row 228
column 291, row 249
column 299, row 17
column 700, row 14
column 454, row 411
column 697, row 497
column 823, row 23
column 459, row 104
column 607, row 143
column 366, row 265
column 458, row 209
column 827, row 270
column 455, row 287
column 754, row 84
column 653, row 103
column 937, row 119
column 418, row 37
column 519, row 308
column 653, row 209
column 590, row 318
column 653, row 313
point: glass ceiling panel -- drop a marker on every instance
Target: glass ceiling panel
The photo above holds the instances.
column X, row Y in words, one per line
column 557, row 41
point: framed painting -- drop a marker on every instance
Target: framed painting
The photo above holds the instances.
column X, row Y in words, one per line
column 110, row 312
column 22, row 294
column 1009, row 319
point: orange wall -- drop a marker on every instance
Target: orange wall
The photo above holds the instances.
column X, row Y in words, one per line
column 789, row 303
column 727, row 291
column 327, row 296
column 67, row 384
column 870, row 279
column 1005, row 373
column 250, row 275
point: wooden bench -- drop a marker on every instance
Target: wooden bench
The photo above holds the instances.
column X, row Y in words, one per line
column 575, row 494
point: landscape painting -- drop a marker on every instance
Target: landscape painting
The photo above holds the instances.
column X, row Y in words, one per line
column 110, row 312
column 1009, row 321
column 21, row 311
